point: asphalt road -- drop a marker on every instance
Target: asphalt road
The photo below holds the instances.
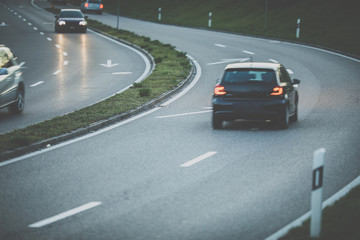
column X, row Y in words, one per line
column 167, row 175
column 62, row 72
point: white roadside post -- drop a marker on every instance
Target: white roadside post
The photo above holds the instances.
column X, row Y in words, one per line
column 159, row 16
column 298, row 29
column 317, row 190
column 210, row 14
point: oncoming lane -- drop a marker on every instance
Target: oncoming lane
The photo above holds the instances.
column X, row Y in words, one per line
column 64, row 72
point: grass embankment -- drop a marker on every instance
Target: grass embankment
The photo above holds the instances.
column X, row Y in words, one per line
column 172, row 67
column 340, row 221
column 329, row 23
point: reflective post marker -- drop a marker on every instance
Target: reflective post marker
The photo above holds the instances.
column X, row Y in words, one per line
column 298, row 29
column 316, row 196
column 159, row 16
column 210, row 14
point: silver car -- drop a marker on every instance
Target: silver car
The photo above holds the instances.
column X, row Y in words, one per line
column 91, row 6
column 12, row 87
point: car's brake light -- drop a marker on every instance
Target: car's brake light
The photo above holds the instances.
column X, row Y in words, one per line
column 219, row 90
column 86, row 5
column 277, row 91
column 101, row 6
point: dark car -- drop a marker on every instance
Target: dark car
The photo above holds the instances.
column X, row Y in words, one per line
column 255, row 91
column 71, row 20
column 12, row 87
column 91, row 6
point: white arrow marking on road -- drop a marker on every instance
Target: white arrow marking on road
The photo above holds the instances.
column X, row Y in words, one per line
column 109, row 64
column 228, row 60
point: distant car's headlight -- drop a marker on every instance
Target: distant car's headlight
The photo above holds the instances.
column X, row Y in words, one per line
column 61, row 23
column 82, row 23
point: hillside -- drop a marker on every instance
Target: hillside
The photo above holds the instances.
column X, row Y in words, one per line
column 329, row 23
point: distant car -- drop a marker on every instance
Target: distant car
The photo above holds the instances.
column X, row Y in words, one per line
column 12, row 87
column 91, row 6
column 255, row 91
column 71, row 20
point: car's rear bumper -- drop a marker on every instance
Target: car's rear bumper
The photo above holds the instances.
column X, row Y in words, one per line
column 251, row 109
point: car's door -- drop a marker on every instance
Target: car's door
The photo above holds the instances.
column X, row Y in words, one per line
column 288, row 88
column 7, row 79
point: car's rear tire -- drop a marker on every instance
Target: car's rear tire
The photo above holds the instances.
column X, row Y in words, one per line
column 217, row 122
column 18, row 106
column 284, row 120
column 295, row 117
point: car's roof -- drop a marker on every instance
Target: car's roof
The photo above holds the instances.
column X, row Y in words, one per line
column 70, row 10
column 260, row 65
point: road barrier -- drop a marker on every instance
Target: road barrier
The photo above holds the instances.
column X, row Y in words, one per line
column 317, row 192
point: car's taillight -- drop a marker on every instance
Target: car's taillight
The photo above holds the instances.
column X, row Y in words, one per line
column 219, row 90
column 101, row 6
column 86, row 5
column 277, row 91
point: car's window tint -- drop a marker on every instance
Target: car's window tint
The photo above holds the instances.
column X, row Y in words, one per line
column 284, row 76
column 71, row 14
column 249, row 75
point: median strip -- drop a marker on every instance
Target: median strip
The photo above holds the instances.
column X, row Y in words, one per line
column 172, row 70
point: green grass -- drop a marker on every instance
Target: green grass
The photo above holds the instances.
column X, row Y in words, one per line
column 340, row 221
column 172, row 68
column 329, row 23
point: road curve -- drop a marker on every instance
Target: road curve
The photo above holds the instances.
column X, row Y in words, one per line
column 63, row 72
column 168, row 175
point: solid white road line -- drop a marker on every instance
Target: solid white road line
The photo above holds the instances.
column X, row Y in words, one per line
column 198, row 159
column 184, row 114
column 64, row 215
column 121, row 73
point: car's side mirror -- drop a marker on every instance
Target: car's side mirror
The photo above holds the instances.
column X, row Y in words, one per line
column 3, row 71
column 296, row 81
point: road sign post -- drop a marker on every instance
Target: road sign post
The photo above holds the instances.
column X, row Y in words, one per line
column 159, row 15
column 298, row 29
column 210, row 15
column 317, row 190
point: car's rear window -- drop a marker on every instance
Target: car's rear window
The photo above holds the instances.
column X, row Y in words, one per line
column 94, row 1
column 71, row 14
column 249, row 75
